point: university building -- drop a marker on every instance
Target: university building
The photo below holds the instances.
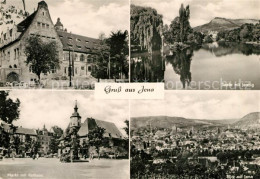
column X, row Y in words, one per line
column 74, row 50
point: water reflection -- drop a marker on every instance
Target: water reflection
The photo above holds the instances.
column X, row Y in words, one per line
column 230, row 62
column 181, row 61
column 224, row 48
column 146, row 67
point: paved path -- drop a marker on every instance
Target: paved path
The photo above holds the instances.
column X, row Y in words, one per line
column 51, row 168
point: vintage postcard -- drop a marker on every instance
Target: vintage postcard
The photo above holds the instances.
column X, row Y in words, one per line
column 63, row 44
column 200, row 134
column 48, row 135
column 196, row 44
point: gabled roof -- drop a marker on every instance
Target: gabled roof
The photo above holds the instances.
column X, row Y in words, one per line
column 78, row 43
column 83, row 131
column 22, row 26
column 110, row 128
column 25, row 131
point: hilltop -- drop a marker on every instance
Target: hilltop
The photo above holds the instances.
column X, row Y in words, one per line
column 168, row 122
column 221, row 24
column 249, row 121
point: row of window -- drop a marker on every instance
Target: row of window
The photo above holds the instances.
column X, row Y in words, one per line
column 47, row 143
column 79, row 47
column 76, row 69
column 77, row 39
column 15, row 66
column 54, row 70
column 16, row 54
column 82, row 57
column 43, row 25
column 43, row 36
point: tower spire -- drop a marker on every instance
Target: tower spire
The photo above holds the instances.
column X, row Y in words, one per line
column 76, row 106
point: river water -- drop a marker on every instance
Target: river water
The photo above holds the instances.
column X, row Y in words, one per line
column 210, row 67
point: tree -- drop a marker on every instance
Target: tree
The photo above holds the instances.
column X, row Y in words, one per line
column 180, row 29
column 96, row 138
column 53, row 146
column 119, row 51
column 101, row 59
column 42, row 57
column 17, row 143
column 35, row 146
column 244, row 33
column 127, row 127
column 27, row 143
column 146, row 28
column 57, row 132
column 208, row 39
column 9, row 109
column 184, row 14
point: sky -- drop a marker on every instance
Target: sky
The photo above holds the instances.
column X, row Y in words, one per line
column 85, row 17
column 55, row 108
column 199, row 104
column 202, row 11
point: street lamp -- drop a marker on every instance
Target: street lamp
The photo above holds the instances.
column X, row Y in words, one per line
column 69, row 69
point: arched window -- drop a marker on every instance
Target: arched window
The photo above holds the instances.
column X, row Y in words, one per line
column 15, row 66
column 82, row 58
column 10, row 66
column 30, row 68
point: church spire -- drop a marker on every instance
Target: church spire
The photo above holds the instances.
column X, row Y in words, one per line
column 76, row 107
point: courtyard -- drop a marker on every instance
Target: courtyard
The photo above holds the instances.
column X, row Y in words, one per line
column 52, row 168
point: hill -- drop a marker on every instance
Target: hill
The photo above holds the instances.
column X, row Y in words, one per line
column 167, row 122
column 220, row 24
column 249, row 121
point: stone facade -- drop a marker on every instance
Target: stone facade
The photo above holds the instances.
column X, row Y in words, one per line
column 39, row 23
column 44, row 138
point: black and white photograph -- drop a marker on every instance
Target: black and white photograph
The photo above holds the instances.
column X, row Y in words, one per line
column 196, row 44
column 63, row 44
column 47, row 135
column 120, row 89
column 200, row 134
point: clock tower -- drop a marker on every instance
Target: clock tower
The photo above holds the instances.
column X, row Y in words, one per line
column 75, row 119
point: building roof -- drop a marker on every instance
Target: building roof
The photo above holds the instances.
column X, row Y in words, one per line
column 58, row 23
column 75, row 113
column 78, row 43
column 110, row 128
column 160, row 133
column 22, row 27
column 21, row 130
column 74, row 42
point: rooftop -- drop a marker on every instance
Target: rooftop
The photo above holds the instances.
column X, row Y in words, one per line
column 21, row 130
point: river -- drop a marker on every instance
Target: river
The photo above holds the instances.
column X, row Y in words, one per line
column 216, row 66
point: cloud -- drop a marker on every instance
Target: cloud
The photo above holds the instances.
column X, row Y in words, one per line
column 202, row 11
column 199, row 104
column 55, row 108
column 85, row 17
